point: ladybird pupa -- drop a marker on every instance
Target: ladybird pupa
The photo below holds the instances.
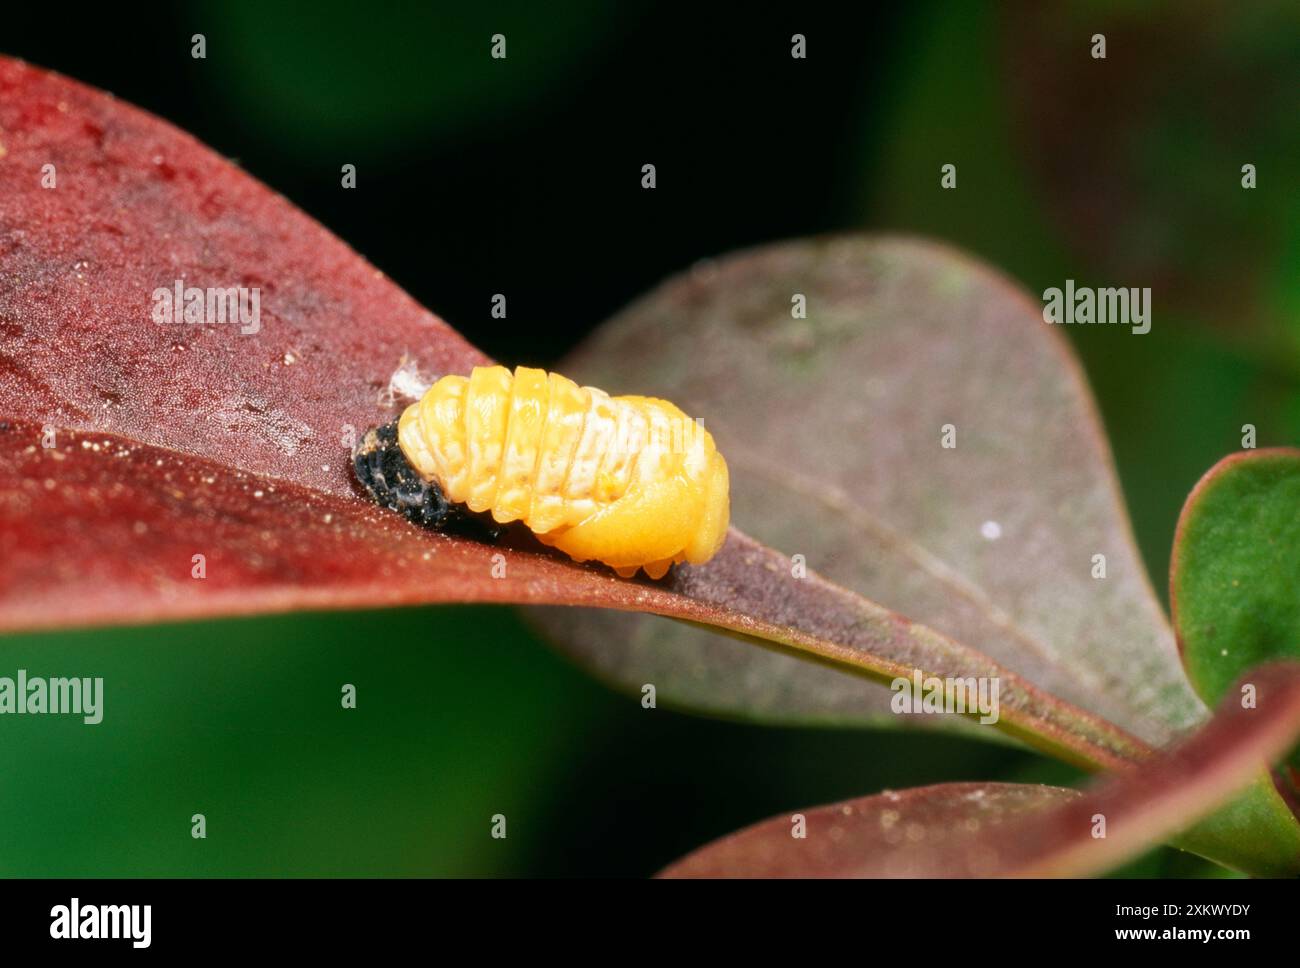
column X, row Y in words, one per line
column 629, row 481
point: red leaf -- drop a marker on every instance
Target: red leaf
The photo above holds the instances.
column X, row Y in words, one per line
column 834, row 425
column 138, row 205
column 103, row 529
column 205, row 417
column 930, row 831
column 985, row 830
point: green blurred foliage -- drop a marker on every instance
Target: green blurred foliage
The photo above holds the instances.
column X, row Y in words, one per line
column 243, row 722
column 327, row 77
column 461, row 714
column 1173, row 400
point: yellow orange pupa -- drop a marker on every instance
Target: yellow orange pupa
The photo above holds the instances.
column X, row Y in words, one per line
column 629, row 481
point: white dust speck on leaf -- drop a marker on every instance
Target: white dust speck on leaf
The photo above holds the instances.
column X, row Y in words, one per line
column 259, row 418
column 406, row 383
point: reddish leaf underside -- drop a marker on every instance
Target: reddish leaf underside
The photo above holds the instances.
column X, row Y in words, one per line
column 998, row 829
column 834, row 425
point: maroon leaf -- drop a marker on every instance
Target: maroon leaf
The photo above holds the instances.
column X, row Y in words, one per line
column 138, row 205
column 833, row 425
column 164, row 435
column 999, row 829
column 105, row 529
column 926, row 831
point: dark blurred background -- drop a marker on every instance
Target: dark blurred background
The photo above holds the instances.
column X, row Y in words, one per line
column 477, row 176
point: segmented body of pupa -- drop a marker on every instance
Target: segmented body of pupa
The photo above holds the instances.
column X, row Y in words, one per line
column 630, row 481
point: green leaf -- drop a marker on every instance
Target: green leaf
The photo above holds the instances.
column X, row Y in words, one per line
column 1235, row 581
